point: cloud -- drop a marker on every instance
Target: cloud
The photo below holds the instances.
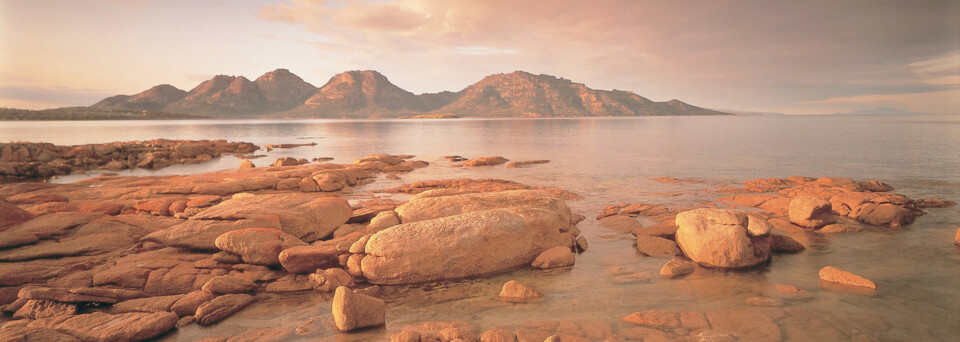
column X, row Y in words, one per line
column 39, row 97
column 943, row 102
column 939, row 70
column 722, row 53
column 481, row 50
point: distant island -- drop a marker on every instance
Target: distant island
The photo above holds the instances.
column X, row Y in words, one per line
column 87, row 113
column 280, row 94
column 878, row 111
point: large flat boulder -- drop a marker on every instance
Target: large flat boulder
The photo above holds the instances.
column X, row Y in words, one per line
column 723, row 238
column 98, row 326
column 462, row 246
column 258, row 246
column 426, row 206
column 308, row 217
column 202, row 234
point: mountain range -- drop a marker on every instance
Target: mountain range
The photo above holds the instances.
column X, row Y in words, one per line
column 369, row 94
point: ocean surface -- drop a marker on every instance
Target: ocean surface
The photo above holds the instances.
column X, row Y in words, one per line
column 613, row 160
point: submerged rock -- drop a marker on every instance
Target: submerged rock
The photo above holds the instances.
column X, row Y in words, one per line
column 352, row 311
column 723, row 238
column 654, row 319
column 678, row 267
column 514, row 291
column 835, row 275
column 485, row 161
column 559, row 256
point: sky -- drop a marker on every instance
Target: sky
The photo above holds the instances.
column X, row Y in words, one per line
column 793, row 57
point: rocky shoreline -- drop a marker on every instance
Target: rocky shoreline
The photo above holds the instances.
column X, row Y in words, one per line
column 135, row 258
column 24, row 160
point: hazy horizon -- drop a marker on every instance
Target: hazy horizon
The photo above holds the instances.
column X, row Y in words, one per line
column 794, row 58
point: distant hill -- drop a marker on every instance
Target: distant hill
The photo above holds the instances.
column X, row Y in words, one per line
column 744, row 112
column 524, row 94
column 877, row 111
column 369, row 94
column 156, row 98
column 283, row 90
column 359, row 94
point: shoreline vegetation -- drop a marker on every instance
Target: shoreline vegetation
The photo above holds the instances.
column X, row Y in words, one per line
column 141, row 257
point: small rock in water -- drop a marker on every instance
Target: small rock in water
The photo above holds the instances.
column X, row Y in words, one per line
column 678, row 267
column 956, row 238
column 763, row 301
column 513, row 165
column 654, row 319
column 485, row 161
column 582, row 244
column 835, row 275
column 246, row 164
column 513, row 291
column 352, row 311
column 559, row 256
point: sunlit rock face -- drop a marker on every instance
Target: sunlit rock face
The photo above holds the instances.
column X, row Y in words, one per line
column 469, row 235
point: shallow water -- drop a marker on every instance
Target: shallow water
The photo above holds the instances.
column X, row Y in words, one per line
column 612, row 160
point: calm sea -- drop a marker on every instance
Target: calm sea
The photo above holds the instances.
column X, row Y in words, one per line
column 612, row 160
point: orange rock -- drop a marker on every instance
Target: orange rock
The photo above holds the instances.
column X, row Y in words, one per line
column 512, row 165
column 786, row 244
column 678, row 267
column 11, row 214
column 259, row 246
column 352, row 311
column 307, row 259
column 134, row 326
column 811, row 212
column 656, row 246
column 485, row 161
column 512, row 291
column 956, row 238
column 666, row 230
column 620, row 223
column 559, row 256
column 654, row 319
column 723, row 238
column 221, row 307
column 835, row 275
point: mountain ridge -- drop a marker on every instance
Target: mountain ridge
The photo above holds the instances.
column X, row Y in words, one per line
column 369, row 94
